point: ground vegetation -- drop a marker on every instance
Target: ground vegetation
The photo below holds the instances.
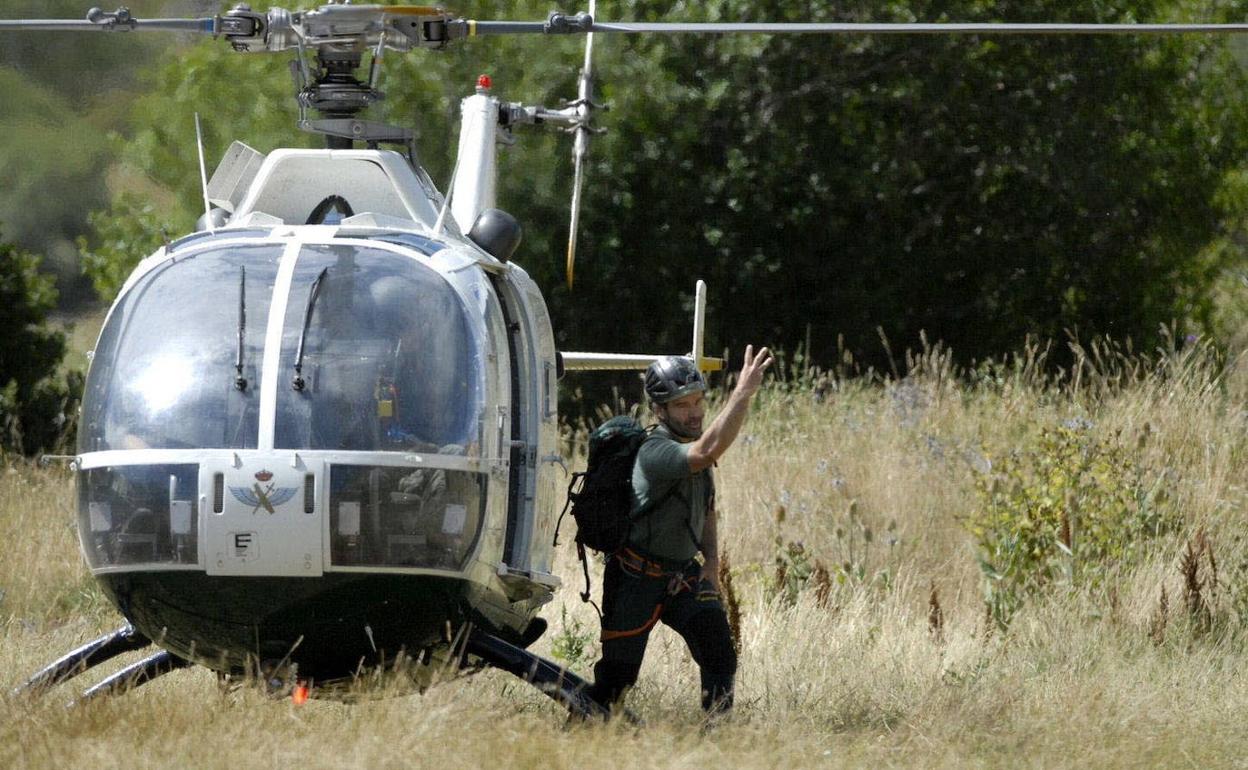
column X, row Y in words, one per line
column 854, row 512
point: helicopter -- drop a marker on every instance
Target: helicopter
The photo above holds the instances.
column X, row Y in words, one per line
column 319, row 433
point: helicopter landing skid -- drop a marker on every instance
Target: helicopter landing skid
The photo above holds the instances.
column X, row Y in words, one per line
column 89, row 655
column 561, row 685
column 556, row 682
column 137, row 674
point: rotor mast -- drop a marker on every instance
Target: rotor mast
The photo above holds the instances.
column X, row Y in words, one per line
column 338, row 96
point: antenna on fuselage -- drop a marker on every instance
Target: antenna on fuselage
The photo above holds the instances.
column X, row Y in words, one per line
column 203, row 174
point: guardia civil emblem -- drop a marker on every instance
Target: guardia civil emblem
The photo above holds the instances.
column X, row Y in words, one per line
column 268, row 497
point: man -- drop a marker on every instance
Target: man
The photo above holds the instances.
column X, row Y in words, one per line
column 657, row 576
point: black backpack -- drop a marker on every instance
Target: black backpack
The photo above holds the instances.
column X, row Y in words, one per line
column 601, row 497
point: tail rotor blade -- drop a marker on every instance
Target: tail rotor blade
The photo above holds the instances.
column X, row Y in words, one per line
column 588, row 68
column 577, row 180
column 580, row 146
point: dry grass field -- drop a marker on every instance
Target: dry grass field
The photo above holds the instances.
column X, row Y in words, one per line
column 856, row 516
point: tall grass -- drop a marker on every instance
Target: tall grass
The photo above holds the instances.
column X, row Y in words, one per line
column 864, row 639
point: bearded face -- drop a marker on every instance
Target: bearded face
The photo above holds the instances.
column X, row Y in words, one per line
column 684, row 415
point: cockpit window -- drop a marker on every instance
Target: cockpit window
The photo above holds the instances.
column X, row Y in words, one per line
column 391, row 360
column 164, row 372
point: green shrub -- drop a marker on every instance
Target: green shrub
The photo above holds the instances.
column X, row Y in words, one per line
column 1063, row 511
column 794, row 568
column 573, row 644
column 37, row 406
column 125, row 233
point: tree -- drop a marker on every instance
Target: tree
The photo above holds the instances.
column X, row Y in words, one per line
column 37, row 403
column 62, row 93
column 979, row 189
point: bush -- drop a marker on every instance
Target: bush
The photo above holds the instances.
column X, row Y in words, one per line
column 37, row 403
column 1063, row 511
column 125, row 233
column 574, row 642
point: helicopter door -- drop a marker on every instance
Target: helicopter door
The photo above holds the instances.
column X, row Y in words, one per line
column 261, row 518
column 519, row 502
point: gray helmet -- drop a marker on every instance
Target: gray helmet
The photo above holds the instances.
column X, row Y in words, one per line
column 673, row 377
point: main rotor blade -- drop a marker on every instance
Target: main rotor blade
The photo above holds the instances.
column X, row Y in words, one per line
column 900, row 28
column 569, row 25
column 207, row 26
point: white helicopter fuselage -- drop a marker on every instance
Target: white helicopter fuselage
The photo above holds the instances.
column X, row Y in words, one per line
column 421, row 442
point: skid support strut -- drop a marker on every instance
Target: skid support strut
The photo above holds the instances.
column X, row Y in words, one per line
column 87, row 656
column 137, row 674
column 561, row 685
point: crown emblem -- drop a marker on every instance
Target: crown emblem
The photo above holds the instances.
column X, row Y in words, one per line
column 263, row 475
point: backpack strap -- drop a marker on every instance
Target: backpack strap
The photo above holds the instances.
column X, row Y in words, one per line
column 566, row 506
column 651, row 507
column 585, row 595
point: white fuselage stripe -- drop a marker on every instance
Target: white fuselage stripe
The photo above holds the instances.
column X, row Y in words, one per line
column 270, row 378
column 127, row 457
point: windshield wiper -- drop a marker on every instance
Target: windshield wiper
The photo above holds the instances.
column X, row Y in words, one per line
column 240, row 381
column 299, row 382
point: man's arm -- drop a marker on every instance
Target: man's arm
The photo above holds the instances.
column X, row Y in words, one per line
column 723, row 430
column 710, row 548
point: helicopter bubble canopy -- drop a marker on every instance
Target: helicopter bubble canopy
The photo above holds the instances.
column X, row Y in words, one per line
column 393, row 360
column 191, row 357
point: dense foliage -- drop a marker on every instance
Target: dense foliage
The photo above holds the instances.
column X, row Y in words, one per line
column 36, row 401
column 1066, row 511
column 61, row 95
column 978, row 189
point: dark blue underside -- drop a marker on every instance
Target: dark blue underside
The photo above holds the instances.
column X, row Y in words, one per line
column 226, row 622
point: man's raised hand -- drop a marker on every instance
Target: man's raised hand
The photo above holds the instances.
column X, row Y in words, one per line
column 752, row 369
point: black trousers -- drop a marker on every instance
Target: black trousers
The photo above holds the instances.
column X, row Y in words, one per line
column 633, row 602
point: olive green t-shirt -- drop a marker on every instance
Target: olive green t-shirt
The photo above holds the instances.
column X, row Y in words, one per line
column 661, row 473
